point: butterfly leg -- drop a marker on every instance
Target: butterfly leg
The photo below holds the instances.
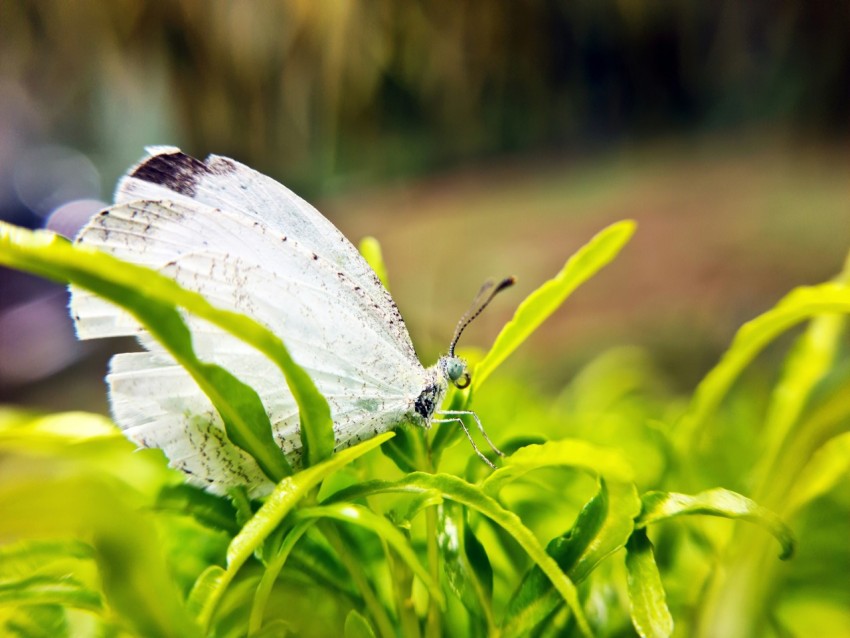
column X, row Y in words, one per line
column 468, row 436
column 459, row 413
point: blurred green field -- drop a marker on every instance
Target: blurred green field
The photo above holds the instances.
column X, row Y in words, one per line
column 725, row 227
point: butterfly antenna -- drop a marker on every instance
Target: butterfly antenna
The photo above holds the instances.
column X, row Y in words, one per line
column 485, row 295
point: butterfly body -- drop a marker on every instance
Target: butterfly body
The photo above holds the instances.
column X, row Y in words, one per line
column 250, row 245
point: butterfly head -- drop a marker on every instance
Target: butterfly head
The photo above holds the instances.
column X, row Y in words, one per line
column 455, row 370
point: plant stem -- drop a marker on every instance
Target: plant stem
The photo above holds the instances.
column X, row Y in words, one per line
column 376, row 609
column 403, row 581
column 432, row 623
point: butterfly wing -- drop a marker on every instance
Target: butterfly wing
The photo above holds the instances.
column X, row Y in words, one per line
column 271, row 256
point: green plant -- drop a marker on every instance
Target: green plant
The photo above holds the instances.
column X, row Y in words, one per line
column 572, row 535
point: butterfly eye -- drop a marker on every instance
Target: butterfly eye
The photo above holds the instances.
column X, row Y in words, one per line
column 463, row 382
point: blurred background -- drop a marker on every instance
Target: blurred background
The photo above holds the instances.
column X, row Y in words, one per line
column 471, row 138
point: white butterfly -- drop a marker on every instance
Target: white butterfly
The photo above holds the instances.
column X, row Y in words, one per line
column 249, row 244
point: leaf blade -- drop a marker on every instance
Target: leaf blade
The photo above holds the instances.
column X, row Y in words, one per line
column 798, row 305
column 279, row 503
column 659, row 506
column 473, row 497
column 650, row 614
column 603, row 526
column 541, row 303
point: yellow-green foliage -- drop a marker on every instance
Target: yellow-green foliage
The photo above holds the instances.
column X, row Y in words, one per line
column 409, row 534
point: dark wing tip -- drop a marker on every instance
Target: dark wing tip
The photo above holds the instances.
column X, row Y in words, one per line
column 174, row 170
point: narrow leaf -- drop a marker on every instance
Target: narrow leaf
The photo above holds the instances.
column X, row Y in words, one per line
column 135, row 579
column 601, row 528
column 280, row 502
column 800, row 304
column 659, row 506
column 541, row 303
column 45, row 557
column 44, row 621
column 208, row 509
column 370, row 248
column 471, row 583
column 473, row 497
column 650, row 614
column 50, row 590
column 809, row 362
column 356, row 626
column 382, row 528
column 205, row 585
column 603, row 461
column 828, row 465
column 271, row 573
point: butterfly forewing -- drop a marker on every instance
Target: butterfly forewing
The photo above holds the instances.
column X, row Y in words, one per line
column 225, row 184
column 247, row 244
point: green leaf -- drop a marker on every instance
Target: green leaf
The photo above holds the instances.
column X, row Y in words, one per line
column 541, row 303
column 356, row 626
column 659, row 506
column 603, row 461
column 603, row 526
column 45, row 557
column 458, row 490
column 404, row 512
column 466, row 566
column 800, row 304
column 381, row 527
column 370, row 248
column 650, row 615
column 828, row 465
column 50, row 590
column 65, row 428
column 152, row 299
column 273, row 569
column 280, row 502
column 277, row 628
column 208, row 509
column 205, row 586
column 809, row 362
column 135, row 579
column 42, row 621
column 407, row 449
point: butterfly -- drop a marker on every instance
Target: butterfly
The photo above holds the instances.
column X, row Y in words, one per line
column 249, row 244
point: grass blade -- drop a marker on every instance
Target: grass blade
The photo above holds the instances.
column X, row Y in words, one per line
column 280, row 502
column 541, row 303
column 800, row 304
column 659, row 506
column 133, row 573
column 382, row 528
column 603, row 461
column 828, row 465
column 466, row 566
column 370, row 248
column 603, row 526
column 650, row 615
column 473, row 497
column 356, row 626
